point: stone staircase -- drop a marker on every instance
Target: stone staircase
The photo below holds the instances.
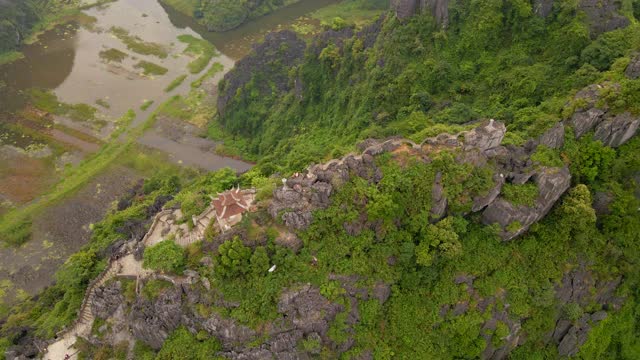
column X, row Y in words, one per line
column 83, row 323
column 85, row 314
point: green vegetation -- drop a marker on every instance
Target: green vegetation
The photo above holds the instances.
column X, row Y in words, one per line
column 358, row 12
column 166, row 256
column 524, row 195
column 181, row 344
column 233, row 259
column 419, row 78
column 104, row 103
column 495, row 60
column 175, row 83
column 201, row 48
column 9, row 57
column 113, row 55
column 214, row 69
column 146, row 104
column 139, row 46
column 57, row 306
column 48, row 101
column 155, row 287
column 149, row 68
column 187, row 7
column 223, row 15
column 18, row 233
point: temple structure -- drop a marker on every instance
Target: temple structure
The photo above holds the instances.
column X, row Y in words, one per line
column 231, row 205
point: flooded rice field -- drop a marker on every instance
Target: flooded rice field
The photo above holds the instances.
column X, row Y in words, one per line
column 63, row 102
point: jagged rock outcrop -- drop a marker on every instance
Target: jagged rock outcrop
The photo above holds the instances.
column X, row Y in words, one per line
column 294, row 202
column 603, row 15
column 633, row 69
column 617, row 129
column 439, row 199
column 284, row 48
column 495, row 349
column 228, row 331
column 485, row 137
column 480, row 202
column 439, row 9
column 554, row 137
column 578, row 290
column 307, row 310
column 303, row 193
column 610, row 128
column 153, row 320
column 107, row 299
column 515, row 220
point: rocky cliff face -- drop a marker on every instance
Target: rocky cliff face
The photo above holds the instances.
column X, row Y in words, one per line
column 592, row 114
column 304, row 314
column 602, row 16
column 304, row 193
column 272, row 58
column 407, row 8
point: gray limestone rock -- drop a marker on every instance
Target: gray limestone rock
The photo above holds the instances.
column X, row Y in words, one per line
column 151, row 321
column 439, row 9
column 617, row 130
column 486, row 136
column 306, row 309
column 633, row 69
column 481, row 202
column 554, row 137
column 584, row 121
column 438, row 199
column 543, row 7
column 106, row 300
column 603, row 15
column 228, row 331
column 551, row 183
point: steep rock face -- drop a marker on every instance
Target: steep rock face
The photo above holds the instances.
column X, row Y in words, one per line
column 554, row 137
column 284, row 48
column 497, row 315
column 617, row 130
column 485, row 137
column 578, row 290
column 603, row 15
column 551, row 183
column 295, row 202
column 228, row 331
column 633, row 69
column 151, row 321
column 612, row 129
column 107, row 299
column 439, row 9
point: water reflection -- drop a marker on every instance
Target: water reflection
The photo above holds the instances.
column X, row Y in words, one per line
column 237, row 43
column 46, row 64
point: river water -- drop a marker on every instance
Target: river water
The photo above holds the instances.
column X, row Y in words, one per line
column 66, row 60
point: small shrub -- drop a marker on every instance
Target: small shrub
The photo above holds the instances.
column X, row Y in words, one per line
column 522, row 195
column 166, row 256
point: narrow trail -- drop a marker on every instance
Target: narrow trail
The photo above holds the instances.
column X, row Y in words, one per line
column 164, row 224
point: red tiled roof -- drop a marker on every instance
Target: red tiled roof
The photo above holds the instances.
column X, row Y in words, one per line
column 233, row 210
column 233, row 201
